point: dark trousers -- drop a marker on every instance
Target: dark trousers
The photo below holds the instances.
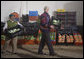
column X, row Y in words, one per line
column 45, row 39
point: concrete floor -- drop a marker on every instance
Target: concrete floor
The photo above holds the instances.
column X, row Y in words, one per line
column 30, row 51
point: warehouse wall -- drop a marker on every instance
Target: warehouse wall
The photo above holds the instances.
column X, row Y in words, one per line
column 23, row 7
column 39, row 5
column 7, row 7
column 78, row 7
column 10, row 6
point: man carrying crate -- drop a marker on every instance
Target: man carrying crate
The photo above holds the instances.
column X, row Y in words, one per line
column 44, row 26
column 9, row 24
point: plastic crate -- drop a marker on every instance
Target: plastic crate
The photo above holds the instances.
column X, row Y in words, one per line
column 33, row 18
column 53, row 37
column 78, row 39
column 33, row 13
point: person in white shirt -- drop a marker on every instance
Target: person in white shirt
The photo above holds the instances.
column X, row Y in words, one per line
column 11, row 23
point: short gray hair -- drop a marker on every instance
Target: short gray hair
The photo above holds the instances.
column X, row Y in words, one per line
column 45, row 8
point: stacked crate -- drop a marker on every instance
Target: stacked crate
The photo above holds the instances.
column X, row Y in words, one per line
column 32, row 27
column 60, row 37
column 69, row 38
column 29, row 21
column 67, row 18
column 33, row 15
column 78, row 39
column 53, row 37
column 33, row 24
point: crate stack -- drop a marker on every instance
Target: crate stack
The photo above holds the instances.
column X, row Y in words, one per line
column 56, row 22
column 67, row 18
column 78, row 39
column 69, row 33
column 60, row 38
column 32, row 26
column 53, row 37
column 33, row 15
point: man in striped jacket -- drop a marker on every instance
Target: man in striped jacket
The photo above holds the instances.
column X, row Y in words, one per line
column 45, row 28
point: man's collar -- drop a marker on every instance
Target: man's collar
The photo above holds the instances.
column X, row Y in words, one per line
column 46, row 13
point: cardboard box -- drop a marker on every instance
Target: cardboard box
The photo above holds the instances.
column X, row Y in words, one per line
column 33, row 18
column 33, row 13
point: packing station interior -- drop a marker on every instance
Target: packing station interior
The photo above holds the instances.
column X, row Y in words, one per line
column 66, row 16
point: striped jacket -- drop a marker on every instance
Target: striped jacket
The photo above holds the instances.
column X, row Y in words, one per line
column 45, row 18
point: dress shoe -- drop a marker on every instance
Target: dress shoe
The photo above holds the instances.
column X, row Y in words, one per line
column 41, row 53
column 53, row 54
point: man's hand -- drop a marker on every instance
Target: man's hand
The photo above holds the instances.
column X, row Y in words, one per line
column 52, row 27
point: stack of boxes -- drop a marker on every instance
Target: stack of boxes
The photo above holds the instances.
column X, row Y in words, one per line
column 32, row 27
column 53, row 37
column 69, row 38
column 61, row 10
column 61, row 38
column 33, row 15
column 67, row 18
column 78, row 39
